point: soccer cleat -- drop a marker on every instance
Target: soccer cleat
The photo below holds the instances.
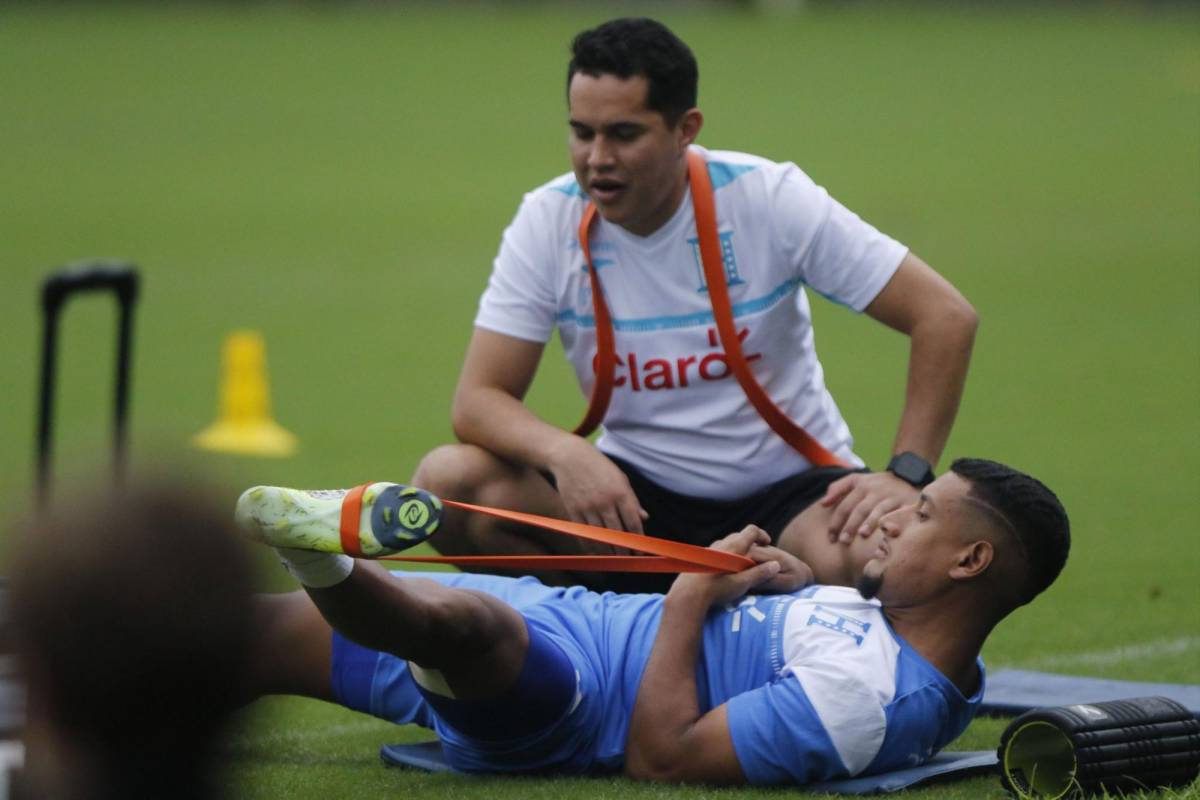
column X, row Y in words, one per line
column 392, row 518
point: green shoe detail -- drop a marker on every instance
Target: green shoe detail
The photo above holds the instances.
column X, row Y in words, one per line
column 394, row 517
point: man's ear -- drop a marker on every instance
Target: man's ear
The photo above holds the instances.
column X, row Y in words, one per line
column 689, row 126
column 973, row 560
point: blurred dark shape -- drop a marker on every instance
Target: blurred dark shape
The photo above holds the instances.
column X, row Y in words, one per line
column 131, row 620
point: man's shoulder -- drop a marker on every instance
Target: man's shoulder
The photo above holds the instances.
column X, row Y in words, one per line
column 551, row 212
column 714, row 156
column 560, row 190
column 732, row 167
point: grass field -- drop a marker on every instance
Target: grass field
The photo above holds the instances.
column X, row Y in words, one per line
column 338, row 180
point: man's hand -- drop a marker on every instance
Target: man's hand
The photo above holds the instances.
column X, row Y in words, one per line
column 775, row 571
column 859, row 501
column 594, row 490
column 793, row 573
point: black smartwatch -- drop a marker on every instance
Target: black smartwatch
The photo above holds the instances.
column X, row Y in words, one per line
column 911, row 468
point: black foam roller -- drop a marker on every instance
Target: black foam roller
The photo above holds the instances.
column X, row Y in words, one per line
column 1122, row 745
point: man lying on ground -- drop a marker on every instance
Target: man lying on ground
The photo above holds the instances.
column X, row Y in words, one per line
column 707, row 683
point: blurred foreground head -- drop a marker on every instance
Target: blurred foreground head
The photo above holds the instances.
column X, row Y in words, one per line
column 131, row 619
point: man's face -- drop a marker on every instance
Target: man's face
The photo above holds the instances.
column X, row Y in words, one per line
column 624, row 155
column 916, row 545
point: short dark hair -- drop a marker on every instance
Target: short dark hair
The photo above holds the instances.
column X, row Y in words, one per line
column 1029, row 510
column 639, row 46
column 133, row 606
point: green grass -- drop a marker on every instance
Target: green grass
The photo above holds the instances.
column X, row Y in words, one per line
column 338, row 179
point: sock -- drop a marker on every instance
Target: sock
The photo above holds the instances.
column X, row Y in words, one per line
column 314, row 569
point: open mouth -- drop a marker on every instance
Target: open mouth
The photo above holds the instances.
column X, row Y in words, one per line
column 606, row 191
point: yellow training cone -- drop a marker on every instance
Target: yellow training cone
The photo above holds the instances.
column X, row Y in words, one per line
column 244, row 423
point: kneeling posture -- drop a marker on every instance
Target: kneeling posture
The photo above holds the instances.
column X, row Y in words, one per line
column 753, row 677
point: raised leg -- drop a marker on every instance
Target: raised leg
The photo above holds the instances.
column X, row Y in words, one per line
column 293, row 648
column 476, row 641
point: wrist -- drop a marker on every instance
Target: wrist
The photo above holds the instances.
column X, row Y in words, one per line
column 911, row 468
column 688, row 595
column 558, row 450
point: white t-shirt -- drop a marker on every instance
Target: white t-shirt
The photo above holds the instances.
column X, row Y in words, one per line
column 677, row 412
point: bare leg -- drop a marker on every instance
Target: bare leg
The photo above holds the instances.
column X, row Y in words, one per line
column 293, row 648
column 807, row 538
column 470, row 474
column 476, row 641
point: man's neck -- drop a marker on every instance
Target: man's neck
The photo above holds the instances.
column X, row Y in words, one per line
column 949, row 638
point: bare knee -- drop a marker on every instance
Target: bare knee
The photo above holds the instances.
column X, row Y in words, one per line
column 460, row 472
column 470, row 474
column 450, row 626
column 477, row 642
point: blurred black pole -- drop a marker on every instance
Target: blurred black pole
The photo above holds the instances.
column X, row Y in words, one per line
column 123, row 280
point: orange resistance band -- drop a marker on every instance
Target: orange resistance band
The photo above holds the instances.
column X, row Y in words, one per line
column 606, row 360
column 665, row 555
column 350, row 521
column 705, row 210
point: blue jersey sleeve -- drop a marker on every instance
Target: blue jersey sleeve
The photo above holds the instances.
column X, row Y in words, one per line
column 778, row 736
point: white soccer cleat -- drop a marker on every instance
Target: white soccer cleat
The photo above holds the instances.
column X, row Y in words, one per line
column 392, row 518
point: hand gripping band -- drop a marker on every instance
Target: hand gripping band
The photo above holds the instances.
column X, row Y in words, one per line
column 1142, row 743
column 705, row 209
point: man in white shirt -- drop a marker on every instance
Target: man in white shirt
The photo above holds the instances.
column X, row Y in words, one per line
column 682, row 454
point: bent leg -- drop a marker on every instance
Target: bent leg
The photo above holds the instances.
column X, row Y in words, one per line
column 482, row 669
column 293, row 648
column 471, row 474
column 475, row 641
column 472, row 657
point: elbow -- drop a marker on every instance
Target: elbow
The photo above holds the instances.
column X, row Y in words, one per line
column 458, row 424
column 650, row 761
column 958, row 321
column 968, row 319
column 460, row 416
column 671, row 764
column 640, row 768
column 681, row 772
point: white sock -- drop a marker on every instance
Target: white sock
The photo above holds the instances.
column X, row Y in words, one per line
column 314, row 569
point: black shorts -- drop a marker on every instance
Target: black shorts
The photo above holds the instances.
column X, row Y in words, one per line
column 701, row 521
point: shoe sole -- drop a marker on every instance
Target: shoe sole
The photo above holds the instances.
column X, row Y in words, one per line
column 403, row 516
column 392, row 517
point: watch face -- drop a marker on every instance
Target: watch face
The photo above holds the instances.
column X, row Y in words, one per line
column 912, row 468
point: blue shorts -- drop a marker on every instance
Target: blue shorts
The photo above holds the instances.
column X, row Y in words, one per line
column 382, row 685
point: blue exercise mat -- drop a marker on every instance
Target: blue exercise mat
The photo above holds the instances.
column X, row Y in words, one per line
column 427, row 756
column 1008, row 692
column 1015, row 691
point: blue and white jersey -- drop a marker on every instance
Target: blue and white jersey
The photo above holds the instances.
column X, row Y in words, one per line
column 821, row 687
column 818, row 685
column 677, row 413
